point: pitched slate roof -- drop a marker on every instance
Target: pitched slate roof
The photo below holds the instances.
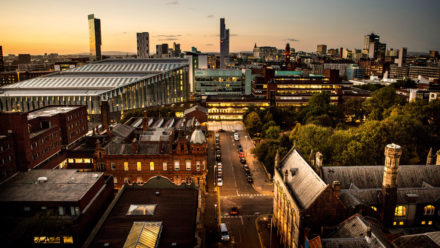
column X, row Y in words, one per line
column 426, row 240
column 302, row 180
column 353, row 233
column 409, row 176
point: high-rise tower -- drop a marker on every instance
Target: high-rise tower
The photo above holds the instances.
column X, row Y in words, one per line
column 224, row 44
column 2, row 65
column 143, row 45
column 95, row 37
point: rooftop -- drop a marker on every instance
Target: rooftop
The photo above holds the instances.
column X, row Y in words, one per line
column 50, row 111
column 93, row 78
column 177, row 226
column 61, row 185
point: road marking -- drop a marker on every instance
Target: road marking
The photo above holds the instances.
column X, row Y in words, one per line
column 241, row 218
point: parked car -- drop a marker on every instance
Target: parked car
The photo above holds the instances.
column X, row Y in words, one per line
column 250, row 179
column 218, row 157
column 243, row 160
column 220, row 182
column 240, row 149
column 236, row 137
column 219, row 169
column 219, row 175
column 245, row 166
column 219, row 164
column 247, row 171
column 217, row 135
column 241, row 154
column 234, row 211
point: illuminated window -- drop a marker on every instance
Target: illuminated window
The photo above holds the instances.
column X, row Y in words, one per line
column 165, row 166
column 374, row 208
column 67, row 239
column 176, row 165
column 394, row 223
column 70, row 160
column 400, row 211
column 423, row 222
column 188, row 165
column 198, row 165
column 126, row 166
column 87, row 160
column 401, row 223
column 78, row 160
column 151, row 166
column 429, row 210
column 430, row 222
column 115, row 180
column 113, row 165
column 139, row 166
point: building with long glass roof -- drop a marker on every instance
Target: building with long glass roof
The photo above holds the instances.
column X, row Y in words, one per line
column 126, row 84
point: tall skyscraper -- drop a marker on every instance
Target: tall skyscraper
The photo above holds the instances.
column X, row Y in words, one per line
column 143, row 45
column 224, row 44
column 95, row 37
column 370, row 38
column 162, row 50
column 401, row 60
column 176, row 49
column 2, row 65
column 321, row 49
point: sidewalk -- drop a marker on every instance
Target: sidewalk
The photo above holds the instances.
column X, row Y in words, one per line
column 263, row 226
column 262, row 183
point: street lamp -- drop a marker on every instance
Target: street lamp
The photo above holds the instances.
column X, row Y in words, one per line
column 215, row 206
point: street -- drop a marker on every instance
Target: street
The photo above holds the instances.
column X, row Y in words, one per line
column 252, row 200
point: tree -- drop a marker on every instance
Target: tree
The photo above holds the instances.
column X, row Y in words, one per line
column 381, row 100
column 353, row 108
column 253, row 123
column 273, row 132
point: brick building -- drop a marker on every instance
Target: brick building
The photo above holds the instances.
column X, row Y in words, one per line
column 310, row 198
column 199, row 112
column 56, row 208
column 173, row 148
column 7, row 156
column 39, row 136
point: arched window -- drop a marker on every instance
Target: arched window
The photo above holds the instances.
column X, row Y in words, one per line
column 400, row 211
column 429, row 210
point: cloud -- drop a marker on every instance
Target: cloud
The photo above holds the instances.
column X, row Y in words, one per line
column 292, row 40
column 173, row 3
column 210, row 16
column 168, row 37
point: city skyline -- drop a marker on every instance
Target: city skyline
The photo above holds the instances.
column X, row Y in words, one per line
column 195, row 23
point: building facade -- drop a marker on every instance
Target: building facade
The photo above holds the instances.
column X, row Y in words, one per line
column 143, row 45
column 222, row 82
column 7, row 156
column 173, row 148
column 321, row 49
column 40, row 135
column 2, row 63
column 94, row 37
column 310, row 197
column 125, row 84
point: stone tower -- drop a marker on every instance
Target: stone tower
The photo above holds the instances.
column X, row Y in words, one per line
column 389, row 184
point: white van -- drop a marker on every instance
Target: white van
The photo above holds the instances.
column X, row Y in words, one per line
column 236, row 137
column 224, row 232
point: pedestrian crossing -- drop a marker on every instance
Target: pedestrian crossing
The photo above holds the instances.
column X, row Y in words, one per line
column 245, row 196
column 226, row 216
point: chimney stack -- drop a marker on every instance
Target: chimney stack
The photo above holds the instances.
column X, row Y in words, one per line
column 389, row 183
column 429, row 157
column 105, row 109
column 318, row 162
column 145, row 121
column 336, row 186
column 437, row 161
column 134, row 146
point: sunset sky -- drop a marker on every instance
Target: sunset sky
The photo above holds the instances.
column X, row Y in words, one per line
column 47, row 26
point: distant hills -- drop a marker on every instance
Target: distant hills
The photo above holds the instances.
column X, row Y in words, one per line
column 107, row 53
